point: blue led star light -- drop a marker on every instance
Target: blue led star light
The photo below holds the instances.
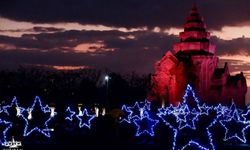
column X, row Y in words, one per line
column 170, row 108
column 191, row 143
column 47, row 109
column 162, row 111
column 184, row 123
column 169, row 116
column 188, row 120
column 145, row 125
column 45, row 130
column 14, row 103
column 147, row 104
column 185, row 117
column 246, row 116
column 205, row 109
column 222, row 111
column 7, row 125
column 85, row 118
column 127, row 114
column 188, row 90
column 69, row 114
column 9, row 114
column 139, row 109
column 233, row 107
column 235, row 127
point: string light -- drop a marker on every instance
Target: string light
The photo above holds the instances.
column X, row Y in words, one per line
column 191, row 142
column 162, row 111
column 186, row 119
column 147, row 104
column 145, row 125
column 14, row 103
column 126, row 117
column 85, row 118
column 45, row 131
column 69, row 114
column 180, row 119
column 223, row 111
column 205, row 109
column 139, row 111
column 246, row 116
column 236, row 122
column 47, row 109
column 188, row 90
column 4, row 132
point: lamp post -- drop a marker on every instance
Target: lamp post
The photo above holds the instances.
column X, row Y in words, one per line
column 107, row 78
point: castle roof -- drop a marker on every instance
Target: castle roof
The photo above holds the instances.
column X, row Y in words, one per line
column 195, row 37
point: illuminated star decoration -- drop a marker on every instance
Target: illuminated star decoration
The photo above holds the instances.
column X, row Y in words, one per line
column 47, row 109
column 126, row 114
column 85, row 118
column 139, row 115
column 186, row 119
column 162, row 111
column 45, row 131
column 233, row 107
column 139, row 111
column 7, row 126
column 188, row 90
column 167, row 115
column 69, row 114
column 145, row 125
column 189, row 119
column 12, row 113
column 147, row 104
column 246, row 116
column 205, row 109
column 14, row 103
column 222, row 111
column 235, row 127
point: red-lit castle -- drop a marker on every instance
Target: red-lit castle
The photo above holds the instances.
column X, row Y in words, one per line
column 192, row 61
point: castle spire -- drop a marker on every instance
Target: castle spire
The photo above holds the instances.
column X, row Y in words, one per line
column 195, row 37
column 194, row 8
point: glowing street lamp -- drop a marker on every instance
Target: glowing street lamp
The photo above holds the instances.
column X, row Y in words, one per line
column 107, row 78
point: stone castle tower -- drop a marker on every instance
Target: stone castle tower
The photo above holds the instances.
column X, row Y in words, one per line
column 192, row 61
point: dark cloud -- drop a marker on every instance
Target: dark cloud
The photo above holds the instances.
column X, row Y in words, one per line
column 133, row 51
column 126, row 13
column 35, row 29
column 151, row 46
column 232, row 47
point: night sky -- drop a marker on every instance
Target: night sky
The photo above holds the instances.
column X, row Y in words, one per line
column 122, row 35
